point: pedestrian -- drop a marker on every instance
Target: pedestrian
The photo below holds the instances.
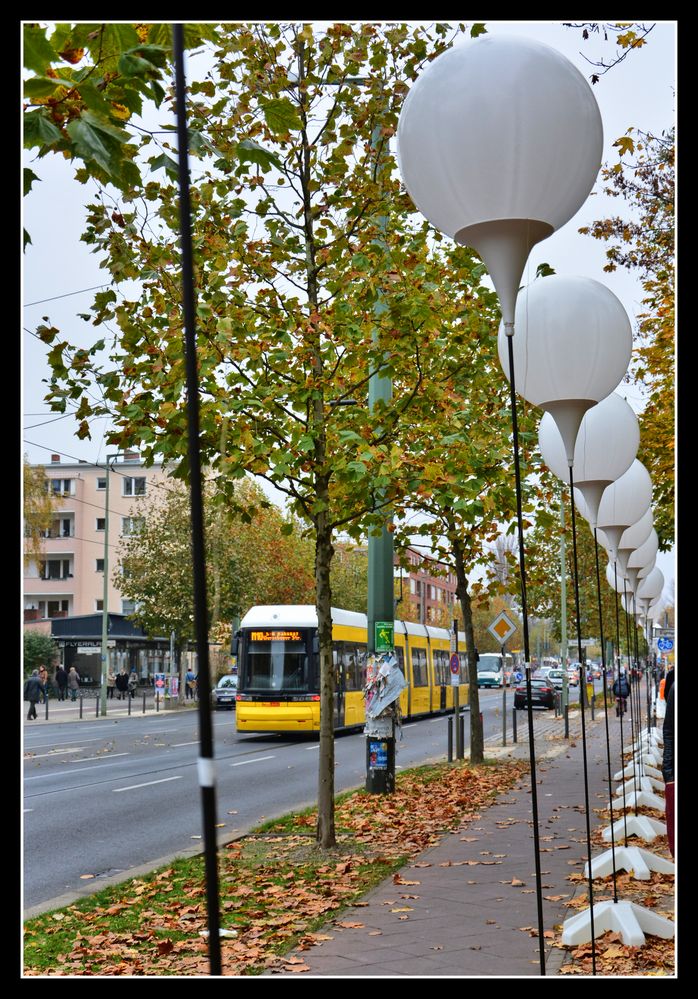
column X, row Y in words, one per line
column 621, row 690
column 111, row 683
column 668, row 682
column 73, row 683
column 132, row 682
column 190, row 683
column 668, row 766
column 43, row 680
column 32, row 693
column 61, row 682
column 122, row 684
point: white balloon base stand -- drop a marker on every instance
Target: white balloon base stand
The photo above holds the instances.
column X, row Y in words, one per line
column 626, row 918
column 638, row 798
column 630, row 772
column 643, row 783
column 636, row 825
column 629, row 858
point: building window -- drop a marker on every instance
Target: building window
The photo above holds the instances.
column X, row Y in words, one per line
column 133, row 486
column 101, row 483
column 55, row 568
column 60, row 487
column 56, row 607
column 100, row 523
column 99, row 605
column 99, row 565
column 129, row 607
column 131, row 525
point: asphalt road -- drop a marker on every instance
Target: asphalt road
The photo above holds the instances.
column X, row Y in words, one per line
column 105, row 797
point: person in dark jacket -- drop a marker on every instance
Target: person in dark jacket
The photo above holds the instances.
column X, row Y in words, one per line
column 61, row 681
column 668, row 766
column 122, row 684
column 32, row 693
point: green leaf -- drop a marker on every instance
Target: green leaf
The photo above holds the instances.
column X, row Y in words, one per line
column 39, row 54
column 29, row 178
column 38, row 130
column 281, row 116
column 42, row 86
column 249, row 150
column 478, row 29
column 165, row 162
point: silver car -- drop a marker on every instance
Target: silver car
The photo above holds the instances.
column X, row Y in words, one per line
column 556, row 678
column 223, row 694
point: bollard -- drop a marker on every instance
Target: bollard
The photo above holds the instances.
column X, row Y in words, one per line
column 567, row 721
column 504, row 715
column 513, row 726
column 81, row 699
column 593, row 698
column 450, row 738
column 461, row 729
column 130, row 698
column 46, row 712
column 157, row 701
column 97, row 706
column 144, row 695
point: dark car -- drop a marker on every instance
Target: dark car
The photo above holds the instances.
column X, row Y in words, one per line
column 223, row 694
column 542, row 694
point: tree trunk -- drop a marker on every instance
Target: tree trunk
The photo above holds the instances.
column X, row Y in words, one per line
column 325, row 834
column 477, row 746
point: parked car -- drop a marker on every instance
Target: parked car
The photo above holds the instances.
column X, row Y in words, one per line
column 556, row 678
column 542, row 694
column 223, row 694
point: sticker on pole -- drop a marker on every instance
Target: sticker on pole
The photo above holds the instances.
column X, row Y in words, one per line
column 502, row 628
column 455, row 670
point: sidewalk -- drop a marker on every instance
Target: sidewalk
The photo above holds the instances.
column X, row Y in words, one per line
column 468, row 907
column 88, row 707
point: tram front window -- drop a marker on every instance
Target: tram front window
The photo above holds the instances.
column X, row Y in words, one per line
column 277, row 665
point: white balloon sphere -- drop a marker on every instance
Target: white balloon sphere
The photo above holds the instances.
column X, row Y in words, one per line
column 624, row 502
column 607, row 442
column 651, row 587
column 499, row 142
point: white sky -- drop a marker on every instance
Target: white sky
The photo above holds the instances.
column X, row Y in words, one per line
column 639, row 92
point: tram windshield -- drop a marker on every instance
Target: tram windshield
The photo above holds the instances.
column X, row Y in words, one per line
column 275, row 661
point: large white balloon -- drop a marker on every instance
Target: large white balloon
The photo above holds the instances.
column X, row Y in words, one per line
column 624, row 502
column 499, row 143
column 606, row 445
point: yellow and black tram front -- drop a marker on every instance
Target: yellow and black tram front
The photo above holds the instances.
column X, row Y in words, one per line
column 278, row 680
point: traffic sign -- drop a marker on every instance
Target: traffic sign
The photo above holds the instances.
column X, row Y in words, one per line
column 665, row 644
column 455, row 670
column 502, row 628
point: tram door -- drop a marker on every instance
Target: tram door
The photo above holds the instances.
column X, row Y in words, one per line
column 340, row 687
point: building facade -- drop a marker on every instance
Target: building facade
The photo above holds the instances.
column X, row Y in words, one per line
column 430, row 588
column 68, row 580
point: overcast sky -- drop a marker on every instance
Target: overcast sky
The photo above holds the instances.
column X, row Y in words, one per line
column 60, row 273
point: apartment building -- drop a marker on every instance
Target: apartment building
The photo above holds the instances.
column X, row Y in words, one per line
column 430, row 587
column 69, row 578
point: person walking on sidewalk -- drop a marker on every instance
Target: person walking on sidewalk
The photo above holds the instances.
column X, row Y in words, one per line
column 32, row 693
column 132, row 683
column 122, row 684
column 61, row 681
column 43, row 680
column 111, row 683
column 668, row 766
column 73, row 683
column 190, row 683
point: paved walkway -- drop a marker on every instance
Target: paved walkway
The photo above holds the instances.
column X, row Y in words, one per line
column 88, row 708
column 467, row 907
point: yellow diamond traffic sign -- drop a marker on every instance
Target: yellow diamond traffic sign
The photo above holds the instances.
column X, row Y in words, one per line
column 502, row 628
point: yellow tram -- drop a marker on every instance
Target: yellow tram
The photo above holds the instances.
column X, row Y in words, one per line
column 279, row 670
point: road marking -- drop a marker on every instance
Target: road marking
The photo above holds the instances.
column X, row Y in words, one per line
column 132, row 787
column 257, row 760
column 312, row 747
column 176, row 745
column 56, row 752
column 110, row 756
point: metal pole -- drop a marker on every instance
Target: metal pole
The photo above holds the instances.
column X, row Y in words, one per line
column 105, row 600
column 206, row 766
column 504, row 715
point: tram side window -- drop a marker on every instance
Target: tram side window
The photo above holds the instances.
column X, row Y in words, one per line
column 351, row 657
column 441, row 667
column 419, row 668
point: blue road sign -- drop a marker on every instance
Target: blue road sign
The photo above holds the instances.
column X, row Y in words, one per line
column 665, row 644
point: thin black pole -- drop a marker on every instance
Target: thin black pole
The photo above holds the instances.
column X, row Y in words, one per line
column 582, row 681
column 527, row 658
column 206, row 766
column 605, row 702
column 617, row 677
